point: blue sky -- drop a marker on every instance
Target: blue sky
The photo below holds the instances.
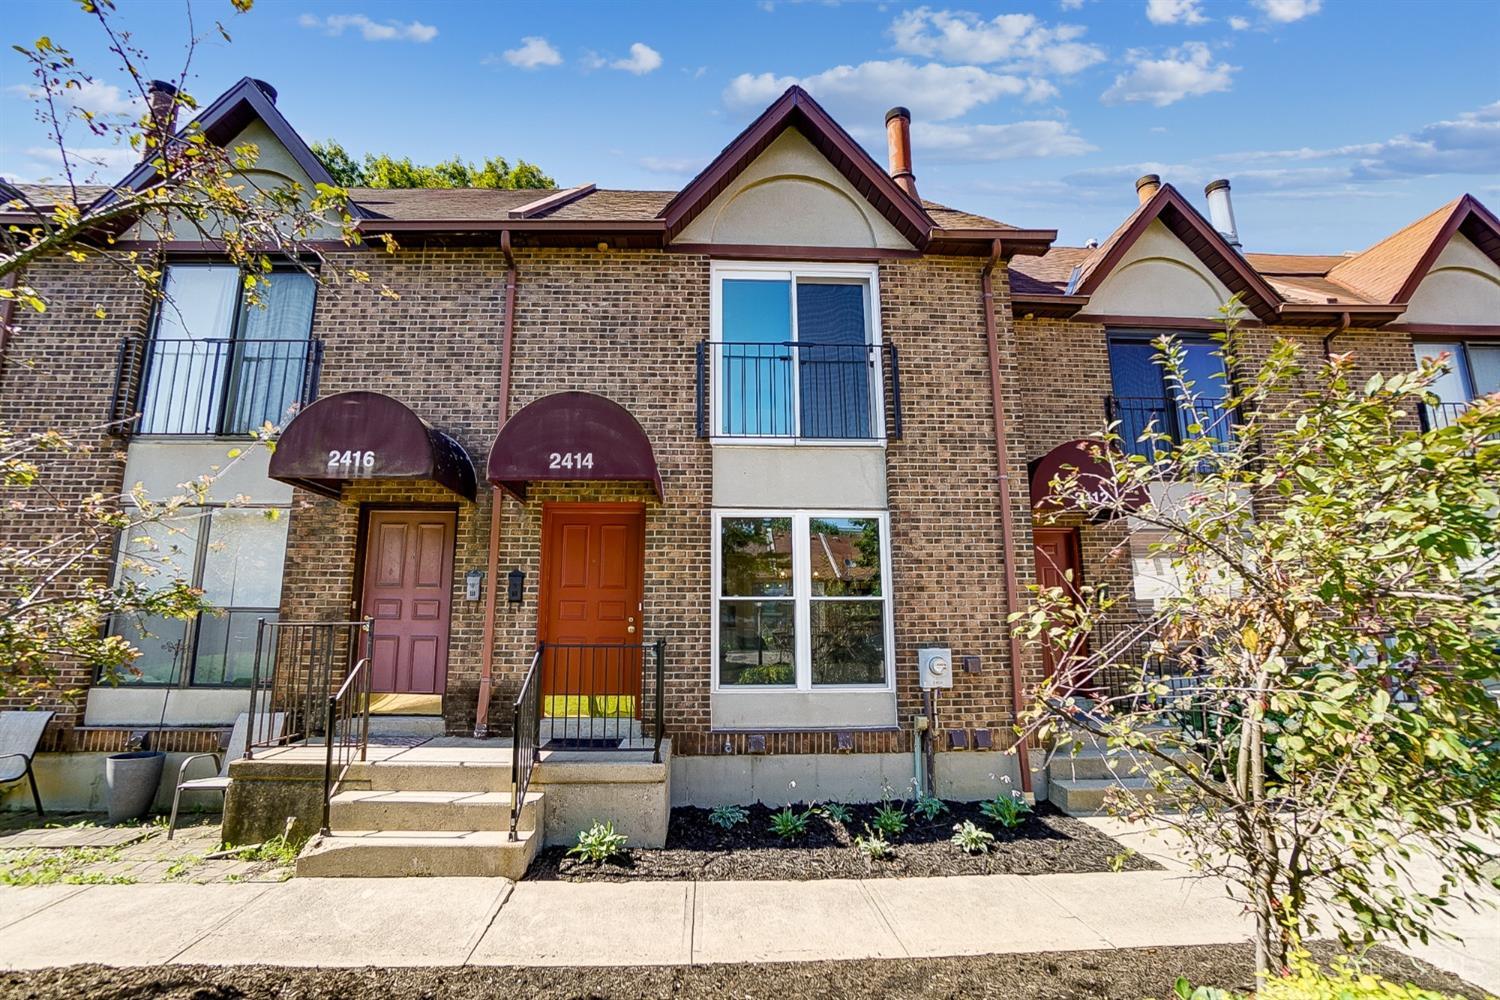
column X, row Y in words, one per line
column 1337, row 121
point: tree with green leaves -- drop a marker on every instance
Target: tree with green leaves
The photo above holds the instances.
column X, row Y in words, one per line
column 1318, row 703
column 381, row 170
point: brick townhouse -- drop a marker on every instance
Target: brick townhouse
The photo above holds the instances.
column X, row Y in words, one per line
column 777, row 436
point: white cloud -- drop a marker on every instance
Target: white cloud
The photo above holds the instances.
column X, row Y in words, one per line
column 943, row 143
column 44, row 164
column 932, row 91
column 1239, row 23
column 93, row 96
column 642, row 60
column 1188, row 70
column 1070, row 4
column 676, row 166
column 370, row 31
column 1018, row 40
column 1174, row 12
column 1287, row 11
column 533, row 52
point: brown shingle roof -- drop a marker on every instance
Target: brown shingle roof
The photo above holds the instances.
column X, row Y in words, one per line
column 953, row 218
column 1048, row 273
column 441, row 204
column 611, row 206
column 1295, row 263
column 1380, row 272
column 1311, row 289
column 44, row 195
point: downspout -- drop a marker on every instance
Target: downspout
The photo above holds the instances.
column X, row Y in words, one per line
column 1007, row 519
column 497, row 499
column 1339, row 327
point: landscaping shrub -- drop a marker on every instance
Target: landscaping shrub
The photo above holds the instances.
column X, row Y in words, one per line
column 599, row 842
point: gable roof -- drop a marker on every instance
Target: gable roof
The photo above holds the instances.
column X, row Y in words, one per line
column 226, row 118
column 1197, row 234
column 1390, row 271
column 797, row 109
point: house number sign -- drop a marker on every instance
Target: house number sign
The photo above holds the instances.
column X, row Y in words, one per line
column 351, row 461
column 570, row 460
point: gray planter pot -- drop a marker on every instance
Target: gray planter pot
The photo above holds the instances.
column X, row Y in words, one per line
column 132, row 780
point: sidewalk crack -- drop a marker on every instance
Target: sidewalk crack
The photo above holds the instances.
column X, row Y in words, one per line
column 484, row 928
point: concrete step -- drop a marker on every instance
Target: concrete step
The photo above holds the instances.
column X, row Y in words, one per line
column 418, row 727
column 434, row 776
column 1091, row 763
column 1085, row 796
column 428, row 810
column 402, row 853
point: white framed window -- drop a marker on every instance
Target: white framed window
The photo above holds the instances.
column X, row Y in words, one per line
column 802, row 601
column 796, row 353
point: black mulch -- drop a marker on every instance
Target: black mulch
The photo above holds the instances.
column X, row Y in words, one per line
column 1123, row 974
column 1047, row 843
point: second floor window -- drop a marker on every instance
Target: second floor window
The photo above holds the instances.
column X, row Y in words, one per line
column 796, row 353
column 1473, row 371
column 1143, row 396
column 217, row 365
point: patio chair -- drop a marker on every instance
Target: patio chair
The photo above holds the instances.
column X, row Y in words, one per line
column 238, row 737
column 20, row 735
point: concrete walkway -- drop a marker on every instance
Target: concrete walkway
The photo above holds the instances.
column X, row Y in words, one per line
column 440, row 921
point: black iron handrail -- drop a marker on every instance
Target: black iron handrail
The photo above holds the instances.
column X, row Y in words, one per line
column 296, row 667
column 347, row 729
column 798, row 390
column 1135, row 415
column 220, row 387
column 525, row 724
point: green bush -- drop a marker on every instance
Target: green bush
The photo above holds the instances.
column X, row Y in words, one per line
column 929, row 807
column 971, row 839
column 837, row 811
column 890, row 820
column 874, row 846
column 599, row 842
column 1308, row 981
column 728, row 817
column 1007, row 810
column 790, row 824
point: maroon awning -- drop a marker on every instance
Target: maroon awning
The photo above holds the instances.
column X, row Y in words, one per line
column 1086, row 458
column 572, row 435
column 367, row 435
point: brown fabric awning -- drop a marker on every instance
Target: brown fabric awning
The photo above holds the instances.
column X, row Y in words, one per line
column 1083, row 456
column 572, row 435
column 367, row 435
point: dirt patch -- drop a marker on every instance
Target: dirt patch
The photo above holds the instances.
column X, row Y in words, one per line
column 1123, row 974
column 1046, row 843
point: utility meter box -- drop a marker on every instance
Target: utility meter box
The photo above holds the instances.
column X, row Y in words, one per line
column 935, row 667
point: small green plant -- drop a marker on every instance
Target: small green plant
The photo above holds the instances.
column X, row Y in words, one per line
column 929, row 807
column 873, row 845
column 599, row 842
column 1306, row 980
column 66, row 867
column 181, row 867
column 890, row 820
column 1008, row 810
column 279, row 850
column 972, row 839
column 728, row 817
column 790, row 824
column 837, row 811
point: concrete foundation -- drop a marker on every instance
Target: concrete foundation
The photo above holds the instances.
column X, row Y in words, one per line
column 581, row 789
column 74, row 782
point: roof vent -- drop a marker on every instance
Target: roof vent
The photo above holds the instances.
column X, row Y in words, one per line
column 898, row 142
column 266, row 89
column 1221, row 211
column 1091, row 244
column 1147, row 186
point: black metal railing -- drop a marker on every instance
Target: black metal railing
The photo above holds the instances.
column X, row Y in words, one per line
column 298, row 666
column 798, row 390
column 1136, row 415
column 1439, row 415
column 211, row 387
column 527, row 711
column 346, row 733
column 1134, row 672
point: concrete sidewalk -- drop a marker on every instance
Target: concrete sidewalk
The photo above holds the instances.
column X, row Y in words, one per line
column 455, row 921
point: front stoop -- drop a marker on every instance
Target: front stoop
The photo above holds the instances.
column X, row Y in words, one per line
column 1077, row 783
column 401, row 853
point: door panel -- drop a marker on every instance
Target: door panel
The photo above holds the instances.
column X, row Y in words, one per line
column 408, row 590
column 1058, row 565
column 593, row 573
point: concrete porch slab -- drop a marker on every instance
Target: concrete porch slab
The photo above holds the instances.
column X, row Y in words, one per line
column 789, row 922
column 937, row 916
column 122, row 924
column 349, row 922
column 599, row 923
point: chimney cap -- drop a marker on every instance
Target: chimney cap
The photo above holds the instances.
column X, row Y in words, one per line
column 1145, row 179
column 161, row 87
column 266, row 88
column 1215, row 185
column 897, row 112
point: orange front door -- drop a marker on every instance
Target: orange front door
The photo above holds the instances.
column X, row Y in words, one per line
column 593, row 573
column 1058, row 565
column 408, row 590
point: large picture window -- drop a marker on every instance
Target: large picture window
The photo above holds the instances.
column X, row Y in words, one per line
column 796, row 353
column 802, row 600
column 235, row 555
column 218, row 365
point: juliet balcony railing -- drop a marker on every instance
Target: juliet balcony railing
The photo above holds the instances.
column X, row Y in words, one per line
column 830, row 392
column 1438, row 415
column 210, row 387
column 1210, row 418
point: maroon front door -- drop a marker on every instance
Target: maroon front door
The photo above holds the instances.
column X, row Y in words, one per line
column 408, row 590
column 1058, row 565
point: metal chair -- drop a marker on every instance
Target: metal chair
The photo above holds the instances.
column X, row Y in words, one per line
column 238, row 737
column 20, row 735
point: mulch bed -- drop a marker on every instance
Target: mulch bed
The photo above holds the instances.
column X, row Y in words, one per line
column 1122, row 974
column 1046, row 843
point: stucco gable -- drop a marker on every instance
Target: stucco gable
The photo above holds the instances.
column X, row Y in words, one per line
column 1462, row 288
column 1159, row 276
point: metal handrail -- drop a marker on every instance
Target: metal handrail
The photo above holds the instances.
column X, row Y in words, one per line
column 525, row 734
column 349, row 705
column 1168, row 416
column 796, row 389
column 294, row 670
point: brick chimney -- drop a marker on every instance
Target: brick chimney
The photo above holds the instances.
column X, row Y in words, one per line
column 161, row 98
column 1147, row 186
column 898, row 141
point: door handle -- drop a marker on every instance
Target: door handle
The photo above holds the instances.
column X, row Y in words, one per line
column 630, row 629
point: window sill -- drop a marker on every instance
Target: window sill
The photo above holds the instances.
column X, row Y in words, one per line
column 788, row 442
column 791, row 709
